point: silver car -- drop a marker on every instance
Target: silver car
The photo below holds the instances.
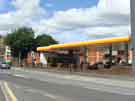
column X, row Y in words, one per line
column 3, row 65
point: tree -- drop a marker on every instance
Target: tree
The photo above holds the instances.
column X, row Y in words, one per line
column 21, row 41
column 45, row 40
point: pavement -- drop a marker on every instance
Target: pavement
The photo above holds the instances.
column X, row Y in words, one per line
column 30, row 85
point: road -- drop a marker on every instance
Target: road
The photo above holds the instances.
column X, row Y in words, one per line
column 2, row 97
column 34, row 86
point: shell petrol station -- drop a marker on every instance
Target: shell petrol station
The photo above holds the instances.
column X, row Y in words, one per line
column 93, row 54
column 116, row 52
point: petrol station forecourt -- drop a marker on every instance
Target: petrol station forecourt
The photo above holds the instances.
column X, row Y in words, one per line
column 93, row 52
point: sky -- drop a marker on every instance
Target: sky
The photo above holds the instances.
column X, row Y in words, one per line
column 67, row 20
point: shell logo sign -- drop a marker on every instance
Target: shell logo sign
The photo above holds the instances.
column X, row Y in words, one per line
column 7, row 55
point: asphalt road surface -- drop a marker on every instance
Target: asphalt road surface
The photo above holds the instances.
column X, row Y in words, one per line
column 33, row 89
column 2, row 97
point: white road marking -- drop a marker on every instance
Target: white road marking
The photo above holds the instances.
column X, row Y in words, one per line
column 46, row 94
column 22, row 76
column 8, row 93
column 50, row 96
column 4, row 92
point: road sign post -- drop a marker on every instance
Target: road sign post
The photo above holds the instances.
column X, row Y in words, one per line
column 132, row 15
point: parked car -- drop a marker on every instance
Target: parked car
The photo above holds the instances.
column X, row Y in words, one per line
column 4, row 65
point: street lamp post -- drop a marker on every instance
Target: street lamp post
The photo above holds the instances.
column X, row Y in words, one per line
column 132, row 15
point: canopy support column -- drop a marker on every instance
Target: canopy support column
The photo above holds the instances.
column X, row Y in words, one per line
column 126, row 53
column 110, row 54
column 85, row 55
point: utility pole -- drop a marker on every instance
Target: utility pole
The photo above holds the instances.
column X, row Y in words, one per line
column 132, row 15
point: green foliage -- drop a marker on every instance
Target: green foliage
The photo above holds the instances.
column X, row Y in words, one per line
column 21, row 41
column 45, row 40
column 1, row 40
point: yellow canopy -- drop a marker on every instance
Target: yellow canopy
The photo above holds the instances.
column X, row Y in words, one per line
column 85, row 43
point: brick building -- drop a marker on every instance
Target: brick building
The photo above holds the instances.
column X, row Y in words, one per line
column 32, row 56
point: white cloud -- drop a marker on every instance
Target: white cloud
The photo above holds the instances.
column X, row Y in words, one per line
column 108, row 18
column 114, row 6
column 23, row 15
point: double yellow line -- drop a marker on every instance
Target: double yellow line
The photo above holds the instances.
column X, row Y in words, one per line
column 9, row 93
